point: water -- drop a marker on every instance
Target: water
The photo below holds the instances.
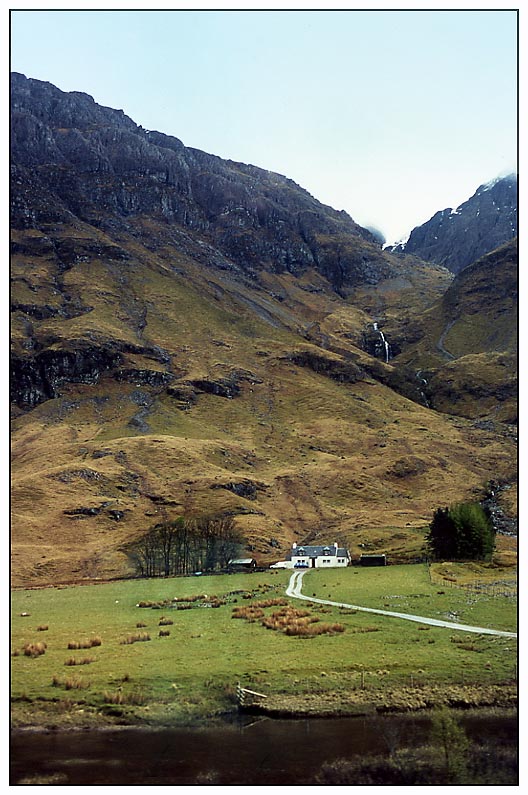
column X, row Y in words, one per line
column 248, row 751
column 385, row 344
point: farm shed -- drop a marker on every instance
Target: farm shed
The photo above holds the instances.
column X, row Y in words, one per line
column 373, row 560
column 242, row 564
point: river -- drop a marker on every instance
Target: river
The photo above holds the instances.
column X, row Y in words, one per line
column 247, row 751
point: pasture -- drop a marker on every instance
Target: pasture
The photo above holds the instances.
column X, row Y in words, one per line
column 180, row 656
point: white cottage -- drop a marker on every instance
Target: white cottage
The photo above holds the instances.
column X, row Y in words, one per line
column 307, row 556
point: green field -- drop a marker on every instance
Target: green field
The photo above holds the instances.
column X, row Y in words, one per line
column 193, row 671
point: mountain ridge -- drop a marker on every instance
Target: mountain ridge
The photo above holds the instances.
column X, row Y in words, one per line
column 456, row 238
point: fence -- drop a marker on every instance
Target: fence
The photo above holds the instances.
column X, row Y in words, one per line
column 507, row 588
column 246, row 696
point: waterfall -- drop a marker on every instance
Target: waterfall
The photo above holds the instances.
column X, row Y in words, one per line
column 424, row 382
column 386, row 346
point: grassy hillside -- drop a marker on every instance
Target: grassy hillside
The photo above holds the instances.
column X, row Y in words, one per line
column 197, row 380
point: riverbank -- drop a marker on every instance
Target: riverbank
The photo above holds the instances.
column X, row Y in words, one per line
column 60, row 715
column 399, row 700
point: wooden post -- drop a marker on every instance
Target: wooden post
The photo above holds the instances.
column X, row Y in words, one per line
column 362, row 680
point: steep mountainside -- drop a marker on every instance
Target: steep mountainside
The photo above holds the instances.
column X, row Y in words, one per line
column 193, row 336
column 467, row 348
column 71, row 155
column 456, row 238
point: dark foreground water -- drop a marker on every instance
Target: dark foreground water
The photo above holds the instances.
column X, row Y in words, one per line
column 248, row 751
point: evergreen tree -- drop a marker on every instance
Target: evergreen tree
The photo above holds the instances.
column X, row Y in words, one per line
column 461, row 532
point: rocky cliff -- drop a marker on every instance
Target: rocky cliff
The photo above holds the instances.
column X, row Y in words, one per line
column 71, row 156
column 456, row 238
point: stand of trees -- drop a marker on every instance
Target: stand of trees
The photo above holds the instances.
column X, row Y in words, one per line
column 461, row 532
column 184, row 546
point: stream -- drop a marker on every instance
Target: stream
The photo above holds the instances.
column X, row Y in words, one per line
column 248, row 750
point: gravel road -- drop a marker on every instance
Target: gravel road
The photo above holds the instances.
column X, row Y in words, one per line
column 294, row 589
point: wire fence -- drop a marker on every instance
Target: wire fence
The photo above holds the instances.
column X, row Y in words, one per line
column 505, row 588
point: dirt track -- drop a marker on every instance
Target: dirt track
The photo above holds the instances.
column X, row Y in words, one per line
column 294, row 589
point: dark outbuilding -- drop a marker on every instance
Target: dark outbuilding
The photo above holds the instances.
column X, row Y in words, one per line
column 373, row 560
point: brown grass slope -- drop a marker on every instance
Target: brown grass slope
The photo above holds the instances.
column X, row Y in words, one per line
column 217, row 396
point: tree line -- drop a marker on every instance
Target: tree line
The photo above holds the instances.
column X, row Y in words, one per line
column 184, row 546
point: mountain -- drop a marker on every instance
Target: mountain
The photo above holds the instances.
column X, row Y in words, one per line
column 456, row 238
column 467, row 348
column 196, row 336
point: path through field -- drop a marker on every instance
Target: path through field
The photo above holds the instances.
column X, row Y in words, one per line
column 294, row 589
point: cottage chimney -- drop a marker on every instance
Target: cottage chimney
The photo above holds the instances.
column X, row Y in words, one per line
column 294, row 545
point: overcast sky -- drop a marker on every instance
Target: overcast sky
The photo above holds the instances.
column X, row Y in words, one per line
column 389, row 115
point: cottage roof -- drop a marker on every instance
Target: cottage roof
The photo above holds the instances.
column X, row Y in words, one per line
column 319, row 550
column 241, row 562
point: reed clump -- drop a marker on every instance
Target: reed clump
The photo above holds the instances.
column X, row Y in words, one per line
column 75, row 645
column 250, row 613
column 138, row 637
column 289, row 620
column 70, row 683
column 134, row 698
column 35, row 649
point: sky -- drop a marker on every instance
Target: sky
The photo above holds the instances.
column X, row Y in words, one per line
column 390, row 115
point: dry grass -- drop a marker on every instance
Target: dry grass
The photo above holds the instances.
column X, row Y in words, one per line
column 90, row 643
column 70, row 683
column 81, row 661
column 134, row 698
column 289, row 620
column 139, row 637
column 35, row 649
